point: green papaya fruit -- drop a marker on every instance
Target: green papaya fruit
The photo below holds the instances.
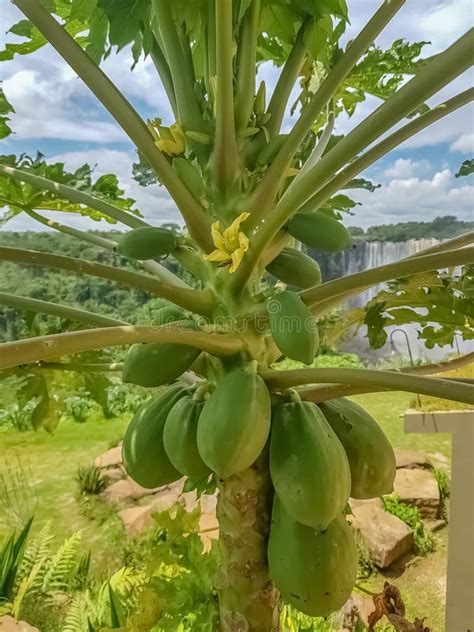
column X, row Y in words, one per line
column 143, row 453
column 293, row 327
column 147, row 242
column 308, row 465
column 155, row 363
column 235, row 423
column 320, row 231
column 168, row 314
column 180, row 438
column 370, row 455
column 315, row 572
column 295, row 268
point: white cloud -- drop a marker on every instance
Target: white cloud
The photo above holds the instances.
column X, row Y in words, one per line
column 415, row 199
column 464, row 144
column 406, row 168
column 45, row 107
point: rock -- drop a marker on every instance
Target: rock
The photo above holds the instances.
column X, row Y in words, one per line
column 111, row 458
column 418, row 488
column 387, row 537
column 9, row 624
column 375, row 502
column 125, row 491
column 137, row 519
column 435, row 525
column 114, row 473
column 411, row 460
column 355, row 612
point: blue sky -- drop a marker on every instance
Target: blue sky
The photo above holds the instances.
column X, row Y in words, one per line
column 56, row 114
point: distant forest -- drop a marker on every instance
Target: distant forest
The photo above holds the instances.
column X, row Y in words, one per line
column 440, row 228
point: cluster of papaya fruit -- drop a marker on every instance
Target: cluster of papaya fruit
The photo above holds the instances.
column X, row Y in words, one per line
column 320, row 455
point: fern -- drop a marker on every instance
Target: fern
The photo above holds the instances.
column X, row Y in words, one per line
column 76, row 619
column 58, row 572
column 39, row 548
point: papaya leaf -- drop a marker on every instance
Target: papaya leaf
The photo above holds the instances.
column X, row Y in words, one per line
column 5, row 109
column 439, row 304
column 466, row 168
column 362, row 183
column 17, row 196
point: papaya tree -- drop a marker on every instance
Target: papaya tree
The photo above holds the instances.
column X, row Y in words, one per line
column 249, row 195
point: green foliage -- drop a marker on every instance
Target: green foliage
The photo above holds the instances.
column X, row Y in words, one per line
column 440, row 228
column 444, row 483
column 466, row 168
column 5, row 110
column 440, row 304
column 11, row 556
column 423, row 538
column 330, row 361
column 90, row 479
column 17, row 196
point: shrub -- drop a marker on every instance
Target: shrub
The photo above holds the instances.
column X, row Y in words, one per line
column 90, row 480
column 422, row 537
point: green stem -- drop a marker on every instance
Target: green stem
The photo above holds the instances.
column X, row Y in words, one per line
column 443, row 69
column 333, row 391
column 200, row 301
column 247, row 598
column 82, row 367
column 394, row 140
column 434, row 387
column 74, row 195
column 286, row 81
column 125, row 115
column 225, row 152
column 182, row 74
column 247, row 59
column 90, row 237
column 42, row 348
column 270, row 185
column 164, row 72
column 211, row 39
column 70, row 313
column 151, row 266
column 406, row 267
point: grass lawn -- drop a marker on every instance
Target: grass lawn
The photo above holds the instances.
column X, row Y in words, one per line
column 52, row 462
column 49, row 463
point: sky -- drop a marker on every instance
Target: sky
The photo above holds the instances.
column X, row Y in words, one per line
column 57, row 115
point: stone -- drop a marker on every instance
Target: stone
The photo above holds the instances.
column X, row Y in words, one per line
column 111, row 458
column 355, row 612
column 125, row 491
column 375, row 502
column 435, row 525
column 9, row 624
column 114, row 474
column 419, row 488
column 137, row 519
column 411, row 460
column 387, row 537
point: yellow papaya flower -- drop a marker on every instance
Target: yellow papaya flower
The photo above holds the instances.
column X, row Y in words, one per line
column 231, row 244
column 169, row 140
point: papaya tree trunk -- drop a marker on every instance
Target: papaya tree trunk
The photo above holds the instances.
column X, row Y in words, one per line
column 248, row 600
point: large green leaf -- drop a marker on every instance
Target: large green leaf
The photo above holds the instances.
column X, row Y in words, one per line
column 439, row 304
